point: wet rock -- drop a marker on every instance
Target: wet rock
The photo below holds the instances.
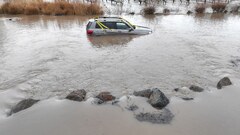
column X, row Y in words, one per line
column 166, row 11
column 132, row 107
column 158, row 99
column 187, row 98
column 184, row 93
column 189, row 12
column 164, row 117
column 235, row 62
column 132, row 13
column 97, row 101
column 176, row 89
column 105, row 96
column 224, row 82
column 115, row 102
column 78, row 95
column 144, row 93
column 22, row 105
column 196, row 88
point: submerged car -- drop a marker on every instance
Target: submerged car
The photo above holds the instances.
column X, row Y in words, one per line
column 114, row 26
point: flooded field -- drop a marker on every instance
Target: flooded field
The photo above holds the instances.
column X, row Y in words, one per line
column 47, row 56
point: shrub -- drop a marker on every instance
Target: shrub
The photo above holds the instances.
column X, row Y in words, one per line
column 58, row 7
column 93, row 9
column 219, row 7
column 150, row 10
column 166, row 11
column 200, row 8
column 31, row 9
column 235, row 9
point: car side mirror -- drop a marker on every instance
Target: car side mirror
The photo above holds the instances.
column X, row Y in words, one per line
column 130, row 29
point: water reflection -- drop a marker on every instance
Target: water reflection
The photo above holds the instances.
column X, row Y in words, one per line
column 105, row 41
column 57, row 22
column 217, row 16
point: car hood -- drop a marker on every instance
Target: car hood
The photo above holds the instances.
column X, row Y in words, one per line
column 142, row 28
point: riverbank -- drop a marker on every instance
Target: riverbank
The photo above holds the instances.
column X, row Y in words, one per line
column 215, row 111
column 116, row 7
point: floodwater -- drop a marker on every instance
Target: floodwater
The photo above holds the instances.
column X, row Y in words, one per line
column 44, row 57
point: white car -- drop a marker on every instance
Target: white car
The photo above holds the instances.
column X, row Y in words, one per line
column 114, row 26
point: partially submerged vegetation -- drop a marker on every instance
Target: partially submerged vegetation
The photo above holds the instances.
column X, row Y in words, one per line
column 200, row 8
column 149, row 10
column 93, row 7
column 58, row 7
column 219, row 7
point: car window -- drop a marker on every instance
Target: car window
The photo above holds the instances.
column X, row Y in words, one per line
column 110, row 25
column 89, row 25
column 121, row 25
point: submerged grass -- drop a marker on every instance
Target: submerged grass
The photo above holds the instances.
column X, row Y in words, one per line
column 58, row 7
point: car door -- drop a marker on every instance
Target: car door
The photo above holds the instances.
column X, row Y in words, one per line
column 123, row 28
column 112, row 29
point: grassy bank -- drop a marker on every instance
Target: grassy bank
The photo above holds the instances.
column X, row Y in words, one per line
column 58, row 7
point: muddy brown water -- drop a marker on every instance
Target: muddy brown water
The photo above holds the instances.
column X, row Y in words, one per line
column 46, row 56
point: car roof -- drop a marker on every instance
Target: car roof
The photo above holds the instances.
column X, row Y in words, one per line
column 108, row 19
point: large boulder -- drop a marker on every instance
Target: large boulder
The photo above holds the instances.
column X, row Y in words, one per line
column 196, row 88
column 224, row 82
column 157, row 99
column 22, row 105
column 78, row 95
column 163, row 117
column 105, row 96
column 144, row 93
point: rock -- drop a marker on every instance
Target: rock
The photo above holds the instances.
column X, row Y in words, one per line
column 187, row 98
column 224, row 82
column 158, row 99
column 184, row 93
column 132, row 107
column 176, row 89
column 132, row 13
column 115, row 102
column 78, row 95
column 105, row 96
column 196, row 88
column 225, row 11
column 235, row 62
column 22, row 105
column 189, row 12
column 166, row 11
column 164, row 117
column 144, row 93
column 97, row 101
